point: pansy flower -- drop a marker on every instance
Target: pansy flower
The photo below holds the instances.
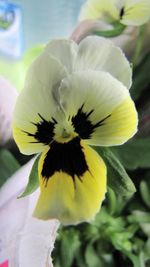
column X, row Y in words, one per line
column 127, row 12
column 75, row 97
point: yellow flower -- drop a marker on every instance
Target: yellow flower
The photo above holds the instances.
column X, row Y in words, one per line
column 127, row 12
column 74, row 96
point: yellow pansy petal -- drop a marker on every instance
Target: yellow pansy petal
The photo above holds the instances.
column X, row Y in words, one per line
column 27, row 144
column 119, row 127
column 97, row 53
column 91, row 101
column 71, row 199
column 136, row 12
column 64, row 51
column 37, row 107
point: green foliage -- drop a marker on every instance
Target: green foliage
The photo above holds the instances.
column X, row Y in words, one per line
column 68, row 247
column 134, row 154
column 33, row 182
column 117, row 176
column 145, row 191
column 8, row 165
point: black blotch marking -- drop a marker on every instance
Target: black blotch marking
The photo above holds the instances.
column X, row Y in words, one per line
column 82, row 124
column 66, row 157
column 121, row 12
column 45, row 131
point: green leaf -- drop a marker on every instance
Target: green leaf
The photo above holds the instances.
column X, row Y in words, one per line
column 147, row 247
column 141, row 77
column 145, row 193
column 80, row 259
column 8, row 165
column 112, row 201
column 142, row 259
column 146, row 228
column 33, row 182
column 70, row 244
column 134, row 259
column 91, row 257
column 118, row 178
column 106, row 220
column 134, row 154
column 139, row 217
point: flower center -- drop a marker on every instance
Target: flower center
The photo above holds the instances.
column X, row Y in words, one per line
column 64, row 132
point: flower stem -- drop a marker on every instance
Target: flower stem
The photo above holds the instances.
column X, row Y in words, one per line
column 117, row 30
column 139, row 45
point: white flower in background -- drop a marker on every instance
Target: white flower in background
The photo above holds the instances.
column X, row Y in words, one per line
column 24, row 241
column 127, row 12
column 8, row 96
column 74, row 97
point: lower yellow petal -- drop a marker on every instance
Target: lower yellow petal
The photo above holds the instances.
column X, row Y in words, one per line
column 73, row 199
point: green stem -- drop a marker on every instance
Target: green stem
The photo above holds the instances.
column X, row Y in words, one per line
column 139, row 45
column 117, row 30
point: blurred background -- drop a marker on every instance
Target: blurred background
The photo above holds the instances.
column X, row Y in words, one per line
column 26, row 24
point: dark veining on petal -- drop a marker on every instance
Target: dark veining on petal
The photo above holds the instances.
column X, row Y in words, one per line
column 45, row 131
column 82, row 124
column 121, row 12
column 66, row 157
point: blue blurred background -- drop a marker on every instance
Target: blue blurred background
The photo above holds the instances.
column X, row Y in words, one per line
column 38, row 21
column 27, row 24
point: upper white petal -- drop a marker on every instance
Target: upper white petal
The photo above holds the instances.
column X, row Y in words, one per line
column 64, row 51
column 34, row 239
column 97, row 53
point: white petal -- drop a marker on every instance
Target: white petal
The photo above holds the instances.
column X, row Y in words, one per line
column 24, row 239
column 37, row 243
column 64, row 51
column 97, row 53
